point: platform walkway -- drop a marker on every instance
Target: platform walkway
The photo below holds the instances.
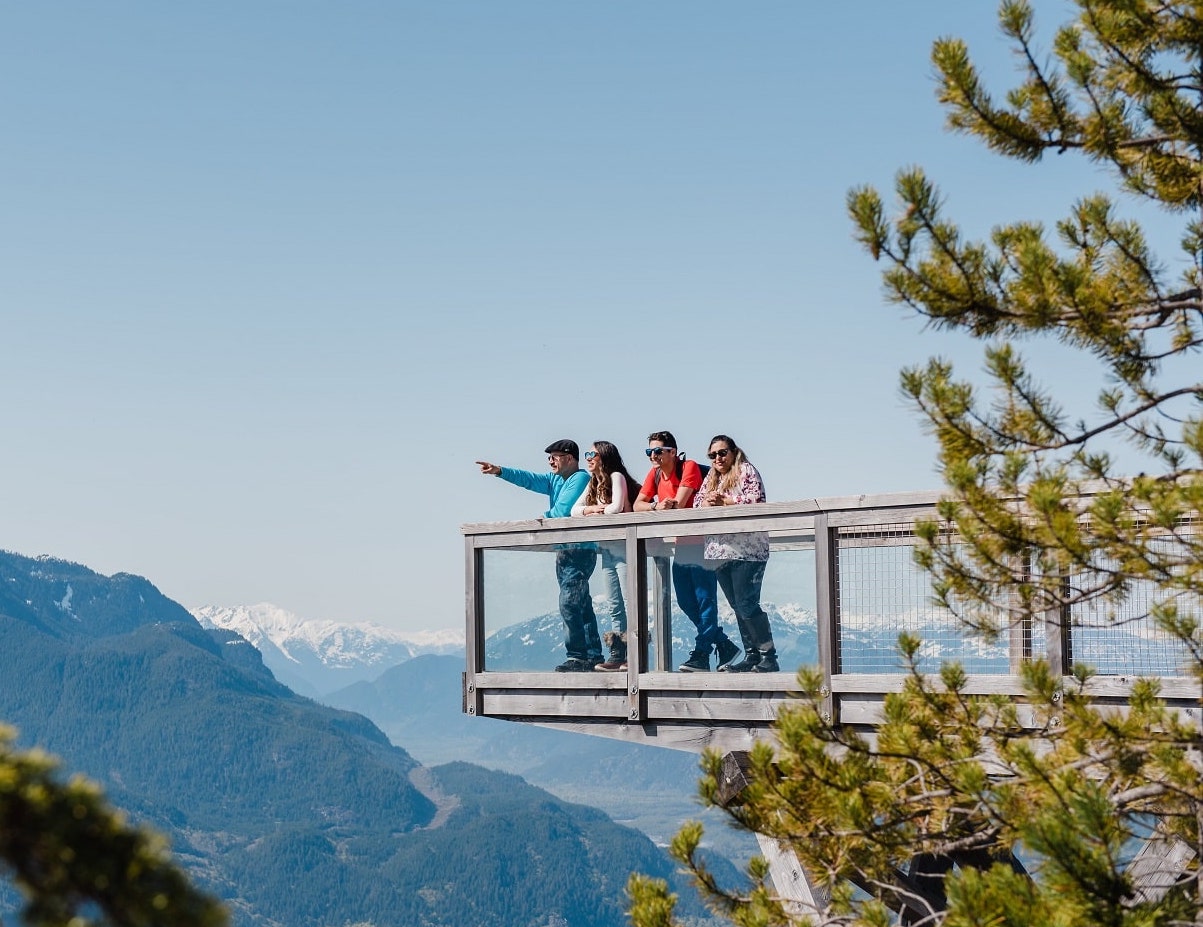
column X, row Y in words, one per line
column 840, row 585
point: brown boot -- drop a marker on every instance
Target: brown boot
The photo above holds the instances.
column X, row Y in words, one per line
column 618, row 653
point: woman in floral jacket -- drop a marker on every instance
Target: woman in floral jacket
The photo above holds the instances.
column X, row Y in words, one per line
column 733, row 480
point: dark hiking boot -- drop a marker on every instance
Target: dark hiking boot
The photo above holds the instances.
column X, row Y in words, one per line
column 698, row 662
column 768, row 662
column 748, row 664
column 727, row 651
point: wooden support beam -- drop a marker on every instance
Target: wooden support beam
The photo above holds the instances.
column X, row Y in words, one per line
column 733, row 778
column 1157, row 867
column 799, row 895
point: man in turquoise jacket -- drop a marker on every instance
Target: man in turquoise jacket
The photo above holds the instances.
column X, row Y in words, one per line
column 574, row 564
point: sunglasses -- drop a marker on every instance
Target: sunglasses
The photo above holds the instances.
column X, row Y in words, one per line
column 589, row 455
column 719, row 454
column 657, row 451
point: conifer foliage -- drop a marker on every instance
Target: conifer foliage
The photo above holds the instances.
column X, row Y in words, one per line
column 78, row 861
column 959, row 811
column 1126, row 94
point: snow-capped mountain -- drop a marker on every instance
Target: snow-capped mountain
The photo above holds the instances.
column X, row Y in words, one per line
column 316, row 657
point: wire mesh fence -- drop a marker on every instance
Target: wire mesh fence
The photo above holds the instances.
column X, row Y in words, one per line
column 1120, row 635
column 882, row 592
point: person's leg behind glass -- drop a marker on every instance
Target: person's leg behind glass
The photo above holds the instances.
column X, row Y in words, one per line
column 742, row 584
column 615, row 639
column 581, row 640
column 685, row 589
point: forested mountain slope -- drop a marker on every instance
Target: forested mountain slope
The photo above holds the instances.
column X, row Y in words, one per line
column 297, row 814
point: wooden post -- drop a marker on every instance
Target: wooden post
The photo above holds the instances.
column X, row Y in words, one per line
column 474, row 633
column 636, row 624
column 1057, row 639
column 827, row 606
column 662, row 603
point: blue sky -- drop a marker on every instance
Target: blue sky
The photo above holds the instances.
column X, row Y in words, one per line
column 275, row 274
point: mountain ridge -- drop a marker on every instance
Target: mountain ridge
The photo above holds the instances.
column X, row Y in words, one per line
column 317, row 656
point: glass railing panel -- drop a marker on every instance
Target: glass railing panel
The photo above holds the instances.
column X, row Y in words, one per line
column 610, row 592
column 522, row 597
column 788, row 597
column 783, row 591
column 664, row 620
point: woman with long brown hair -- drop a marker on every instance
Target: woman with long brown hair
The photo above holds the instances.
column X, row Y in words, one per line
column 611, row 490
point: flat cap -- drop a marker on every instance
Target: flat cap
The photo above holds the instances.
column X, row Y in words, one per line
column 563, row 446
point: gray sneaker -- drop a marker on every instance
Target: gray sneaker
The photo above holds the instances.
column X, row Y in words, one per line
column 698, row 662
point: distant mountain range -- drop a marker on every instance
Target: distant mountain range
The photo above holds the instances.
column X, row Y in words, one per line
column 294, row 813
column 315, row 657
column 417, row 702
column 319, row 657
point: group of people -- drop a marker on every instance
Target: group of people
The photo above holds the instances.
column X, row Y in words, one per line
column 700, row 565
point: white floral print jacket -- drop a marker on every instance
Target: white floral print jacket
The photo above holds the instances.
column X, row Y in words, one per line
column 749, row 545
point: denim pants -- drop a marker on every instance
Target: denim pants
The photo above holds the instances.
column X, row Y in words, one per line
column 615, row 606
column 741, row 581
column 574, row 566
column 697, row 596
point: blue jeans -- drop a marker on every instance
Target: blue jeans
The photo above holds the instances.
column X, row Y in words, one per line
column 741, row 581
column 615, row 607
column 697, row 596
column 574, row 566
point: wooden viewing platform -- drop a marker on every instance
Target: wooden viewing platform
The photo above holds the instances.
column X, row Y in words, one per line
column 840, row 586
column 843, row 584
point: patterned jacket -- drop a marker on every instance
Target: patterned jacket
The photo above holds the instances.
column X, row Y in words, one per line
column 750, row 545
